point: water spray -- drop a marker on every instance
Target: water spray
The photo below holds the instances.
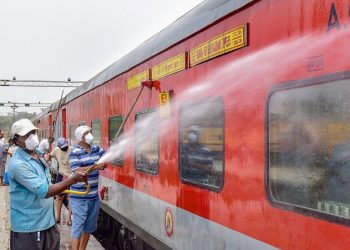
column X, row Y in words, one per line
column 149, row 84
column 296, row 50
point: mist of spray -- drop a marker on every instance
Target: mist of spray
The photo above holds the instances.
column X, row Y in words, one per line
column 271, row 64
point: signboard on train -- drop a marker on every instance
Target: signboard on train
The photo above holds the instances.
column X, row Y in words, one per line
column 224, row 43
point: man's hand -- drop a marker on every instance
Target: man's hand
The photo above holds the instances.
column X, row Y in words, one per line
column 79, row 176
column 101, row 166
column 58, row 188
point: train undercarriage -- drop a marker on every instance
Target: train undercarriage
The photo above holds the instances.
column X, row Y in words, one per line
column 114, row 232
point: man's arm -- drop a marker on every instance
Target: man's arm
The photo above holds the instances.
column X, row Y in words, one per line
column 50, row 155
column 6, row 151
column 100, row 166
column 41, row 187
column 47, row 157
column 58, row 188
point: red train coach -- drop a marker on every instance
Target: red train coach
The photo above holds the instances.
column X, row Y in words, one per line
column 250, row 152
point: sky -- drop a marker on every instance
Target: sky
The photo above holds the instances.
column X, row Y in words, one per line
column 57, row 39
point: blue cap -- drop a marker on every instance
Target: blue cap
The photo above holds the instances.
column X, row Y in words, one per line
column 62, row 142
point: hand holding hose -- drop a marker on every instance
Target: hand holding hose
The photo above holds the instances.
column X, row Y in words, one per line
column 100, row 166
column 79, row 177
column 60, row 187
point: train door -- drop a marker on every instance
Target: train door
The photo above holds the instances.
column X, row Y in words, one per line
column 50, row 125
column 64, row 123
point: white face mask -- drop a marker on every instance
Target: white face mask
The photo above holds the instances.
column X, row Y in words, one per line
column 192, row 138
column 32, row 142
column 89, row 138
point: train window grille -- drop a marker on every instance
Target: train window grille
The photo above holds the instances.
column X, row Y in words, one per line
column 147, row 141
column 71, row 129
column 201, row 144
column 96, row 129
column 114, row 124
column 308, row 154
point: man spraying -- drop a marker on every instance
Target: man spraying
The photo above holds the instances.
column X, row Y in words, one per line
column 85, row 207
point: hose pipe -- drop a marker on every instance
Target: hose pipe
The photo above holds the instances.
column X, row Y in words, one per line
column 87, row 190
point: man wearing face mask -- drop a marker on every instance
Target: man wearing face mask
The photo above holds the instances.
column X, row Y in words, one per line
column 33, row 224
column 85, row 207
column 61, row 154
column 197, row 160
column 44, row 146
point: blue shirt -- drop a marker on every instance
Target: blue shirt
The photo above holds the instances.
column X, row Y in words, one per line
column 30, row 211
column 78, row 157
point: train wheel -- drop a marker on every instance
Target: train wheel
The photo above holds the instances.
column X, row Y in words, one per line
column 114, row 231
column 125, row 239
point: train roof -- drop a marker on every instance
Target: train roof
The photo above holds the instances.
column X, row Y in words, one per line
column 52, row 107
column 203, row 15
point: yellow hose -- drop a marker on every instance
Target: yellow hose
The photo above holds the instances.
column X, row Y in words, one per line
column 78, row 192
column 86, row 185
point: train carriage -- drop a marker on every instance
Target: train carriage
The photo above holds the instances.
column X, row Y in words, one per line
column 263, row 87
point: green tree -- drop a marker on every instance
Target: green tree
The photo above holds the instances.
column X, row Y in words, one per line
column 6, row 121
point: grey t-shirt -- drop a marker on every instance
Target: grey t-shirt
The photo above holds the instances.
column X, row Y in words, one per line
column 3, row 155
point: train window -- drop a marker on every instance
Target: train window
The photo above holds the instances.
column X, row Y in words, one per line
column 201, row 146
column 71, row 130
column 114, row 124
column 147, row 142
column 309, row 149
column 96, row 130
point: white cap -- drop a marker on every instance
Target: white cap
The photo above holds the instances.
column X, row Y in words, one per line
column 78, row 133
column 44, row 145
column 23, row 127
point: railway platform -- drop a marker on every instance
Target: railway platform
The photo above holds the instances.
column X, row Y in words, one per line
column 5, row 226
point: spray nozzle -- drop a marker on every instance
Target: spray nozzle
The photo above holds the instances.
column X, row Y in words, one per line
column 151, row 84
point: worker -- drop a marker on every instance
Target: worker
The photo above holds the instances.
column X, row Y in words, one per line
column 61, row 154
column 33, row 224
column 44, row 146
column 85, row 208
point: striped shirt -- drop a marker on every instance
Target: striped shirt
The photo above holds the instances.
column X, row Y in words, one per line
column 30, row 211
column 197, row 161
column 80, row 158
